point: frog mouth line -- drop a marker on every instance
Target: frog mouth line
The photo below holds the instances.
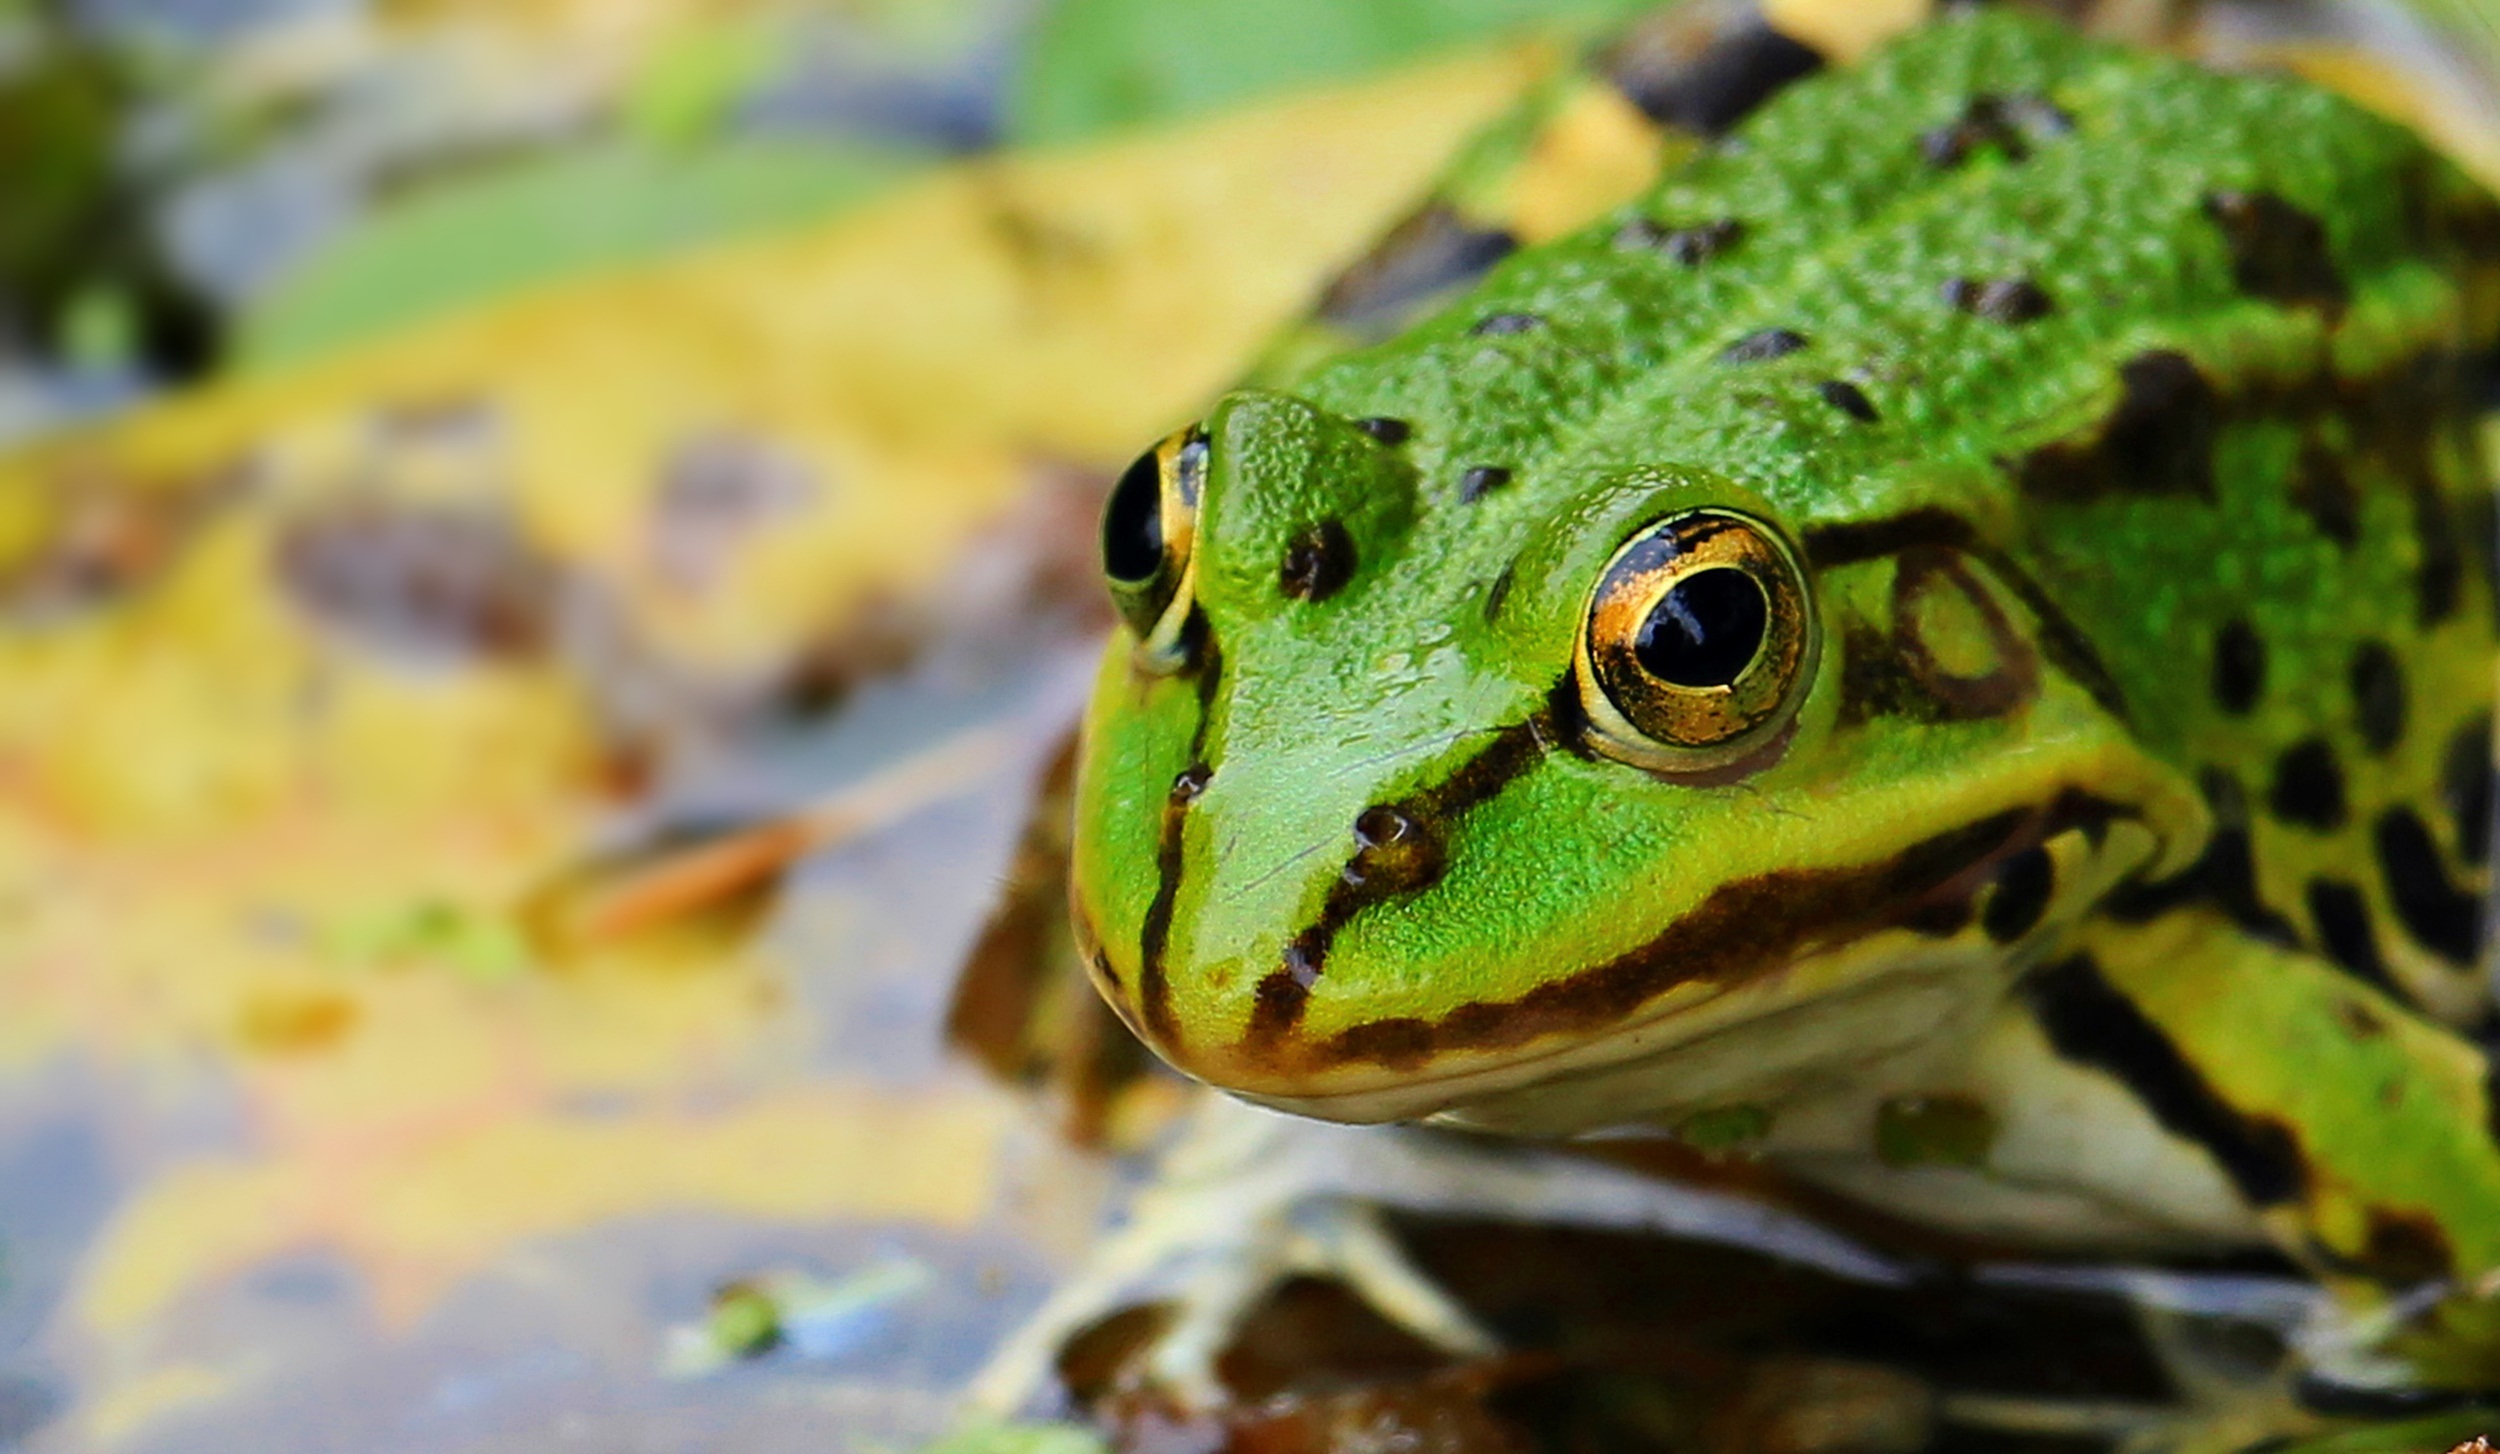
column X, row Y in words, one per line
column 1743, row 933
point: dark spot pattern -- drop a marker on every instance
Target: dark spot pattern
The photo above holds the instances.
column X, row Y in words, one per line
column 2089, row 1022
column 2324, row 493
column 1709, row 92
column 1391, row 432
column 1762, row 345
column 2465, row 788
column 1480, row 481
column 2478, row 522
column 2278, row 252
column 2440, row 917
column 1499, row 325
column 2342, row 918
column 1693, row 246
column 1849, row 399
column 2013, row 300
column 2239, row 675
column 1689, row 246
column 2000, row 300
column 2308, row 786
column 2158, row 440
column 2378, row 696
column 2023, row 890
column 1317, row 564
column 2008, row 123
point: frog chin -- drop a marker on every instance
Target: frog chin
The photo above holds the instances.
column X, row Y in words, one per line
column 1813, row 1028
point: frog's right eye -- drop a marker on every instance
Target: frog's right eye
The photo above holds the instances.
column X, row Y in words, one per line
column 1148, row 531
column 1698, row 643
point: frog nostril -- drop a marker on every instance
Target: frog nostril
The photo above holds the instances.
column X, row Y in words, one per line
column 1394, row 852
column 1318, row 562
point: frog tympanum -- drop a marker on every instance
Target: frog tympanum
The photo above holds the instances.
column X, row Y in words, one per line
column 1968, row 606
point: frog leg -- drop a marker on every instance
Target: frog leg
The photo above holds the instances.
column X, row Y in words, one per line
column 1246, row 1198
column 1231, row 1214
column 2357, row 1131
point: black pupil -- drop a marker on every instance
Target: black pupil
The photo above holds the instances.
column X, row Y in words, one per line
column 1132, row 524
column 1705, row 631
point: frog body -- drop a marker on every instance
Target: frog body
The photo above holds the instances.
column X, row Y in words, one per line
column 1950, row 644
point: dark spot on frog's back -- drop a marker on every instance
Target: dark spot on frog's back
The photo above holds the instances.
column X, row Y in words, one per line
column 2008, row 123
column 2278, row 252
column 2239, row 675
column 2442, row 918
column 2342, row 918
column 2308, row 786
column 1712, row 89
column 1480, row 481
column 1762, row 345
column 1849, row 399
column 2000, row 300
column 1391, row 432
column 1687, row 246
column 1317, row 563
column 2157, row 440
column 2378, row 696
column 2465, row 788
column 2324, row 493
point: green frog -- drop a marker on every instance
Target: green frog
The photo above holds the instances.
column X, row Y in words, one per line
column 1948, row 646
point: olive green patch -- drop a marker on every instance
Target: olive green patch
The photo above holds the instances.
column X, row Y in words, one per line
column 1934, row 1131
column 1725, row 1128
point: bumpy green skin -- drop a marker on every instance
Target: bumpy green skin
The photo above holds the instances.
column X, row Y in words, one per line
column 2096, row 828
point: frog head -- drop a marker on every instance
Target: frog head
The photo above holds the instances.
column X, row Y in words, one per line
column 1412, row 788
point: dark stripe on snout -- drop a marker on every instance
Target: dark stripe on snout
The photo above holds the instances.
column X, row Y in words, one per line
column 1432, row 815
column 1743, row 930
column 1154, row 990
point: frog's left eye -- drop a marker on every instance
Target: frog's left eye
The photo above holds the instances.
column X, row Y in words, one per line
column 1148, row 529
column 1697, row 644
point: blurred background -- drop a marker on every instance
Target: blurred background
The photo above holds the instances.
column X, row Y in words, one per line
column 546, row 552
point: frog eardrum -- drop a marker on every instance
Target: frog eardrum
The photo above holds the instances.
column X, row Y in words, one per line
column 1698, row 639
column 1149, row 527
